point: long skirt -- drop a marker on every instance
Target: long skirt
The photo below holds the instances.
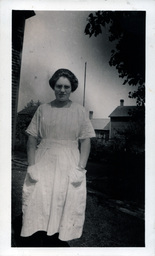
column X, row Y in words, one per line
column 51, row 200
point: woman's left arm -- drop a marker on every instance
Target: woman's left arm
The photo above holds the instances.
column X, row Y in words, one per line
column 84, row 152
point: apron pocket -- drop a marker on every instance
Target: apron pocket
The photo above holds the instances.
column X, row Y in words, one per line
column 77, row 177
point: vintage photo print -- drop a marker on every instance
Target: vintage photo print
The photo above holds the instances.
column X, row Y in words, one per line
column 80, row 101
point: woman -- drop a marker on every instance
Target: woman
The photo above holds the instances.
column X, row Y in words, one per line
column 54, row 191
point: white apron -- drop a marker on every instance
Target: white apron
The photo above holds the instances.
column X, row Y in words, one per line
column 50, row 201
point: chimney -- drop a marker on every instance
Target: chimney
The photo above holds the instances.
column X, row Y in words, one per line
column 121, row 103
column 90, row 115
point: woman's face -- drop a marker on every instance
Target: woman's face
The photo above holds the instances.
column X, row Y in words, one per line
column 62, row 89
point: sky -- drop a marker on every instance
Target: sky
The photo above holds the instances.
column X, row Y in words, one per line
column 56, row 39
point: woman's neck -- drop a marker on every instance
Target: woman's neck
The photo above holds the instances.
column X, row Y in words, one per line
column 61, row 104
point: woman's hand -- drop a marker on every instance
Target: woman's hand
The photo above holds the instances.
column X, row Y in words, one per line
column 33, row 173
column 80, row 168
column 77, row 176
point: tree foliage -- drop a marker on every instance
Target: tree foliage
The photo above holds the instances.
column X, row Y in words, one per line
column 23, row 119
column 32, row 103
column 127, row 29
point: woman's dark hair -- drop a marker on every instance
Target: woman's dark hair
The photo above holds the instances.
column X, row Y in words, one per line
column 65, row 73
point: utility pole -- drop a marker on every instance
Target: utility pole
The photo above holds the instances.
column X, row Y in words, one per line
column 84, row 84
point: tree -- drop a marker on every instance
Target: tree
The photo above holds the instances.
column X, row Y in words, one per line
column 127, row 29
column 32, row 103
column 23, row 119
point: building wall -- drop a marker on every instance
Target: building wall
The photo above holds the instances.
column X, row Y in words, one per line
column 18, row 25
column 118, row 124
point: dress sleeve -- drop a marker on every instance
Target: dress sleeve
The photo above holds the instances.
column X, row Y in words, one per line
column 33, row 128
column 86, row 129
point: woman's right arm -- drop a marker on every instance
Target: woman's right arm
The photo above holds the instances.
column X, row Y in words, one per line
column 31, row 148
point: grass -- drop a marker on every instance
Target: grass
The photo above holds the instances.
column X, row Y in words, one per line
column 122, row 177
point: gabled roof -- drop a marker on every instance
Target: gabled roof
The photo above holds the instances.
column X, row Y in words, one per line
column 99, row 123
column 122, row 111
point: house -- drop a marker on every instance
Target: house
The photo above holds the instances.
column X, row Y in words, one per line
column 120, row 119
column 101, row 127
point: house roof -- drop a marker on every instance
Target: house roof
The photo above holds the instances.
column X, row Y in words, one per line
column 107, row 127
column 100, row 123
column 122, row 111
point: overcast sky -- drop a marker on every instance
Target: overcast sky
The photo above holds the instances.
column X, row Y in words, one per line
column 56, row 39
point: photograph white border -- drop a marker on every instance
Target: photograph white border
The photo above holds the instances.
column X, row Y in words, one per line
column 6, row 7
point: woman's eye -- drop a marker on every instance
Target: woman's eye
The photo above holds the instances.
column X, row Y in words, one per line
column 58, row 86
column 66, row 87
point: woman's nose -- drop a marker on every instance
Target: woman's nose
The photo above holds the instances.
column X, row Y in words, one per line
column 62, row 89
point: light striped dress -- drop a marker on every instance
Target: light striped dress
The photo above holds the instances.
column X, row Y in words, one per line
column 52, row 203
